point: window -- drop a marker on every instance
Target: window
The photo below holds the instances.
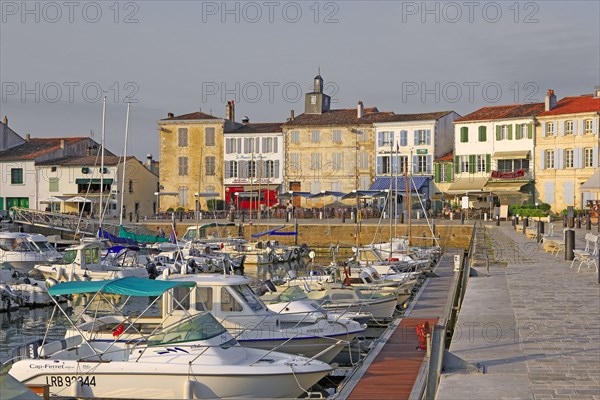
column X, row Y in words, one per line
column 53, row 169
column 385, row 138
column 383, row 165
column 464, row 134
column 482, row 134
column 209, row 136
column 481, row 163
column 130, row 186
column 403, row 138
column 53, row 184
column 248, row 295
column 521, row 131
column 210, row 165
column 267, row 145
column 336, row 136
column 569, row 127
column 294, row 161
column 569, row 158
column 422, row 164
column 233, row 169
column 588, row 127
column 269, row 169
column 464, row 163
column 362, row 136
column 16, row 176
column 182, row 136
column 549, row 128
column 315, row 136
column 513, row 165
column 364, row 182
column 231, row 145
column 588, row 160
column 183, row 196
column 295, row 137
column 403, row 164
column 337, row 159
column 251, row 169
column 315, row 187
column 204, row 298
column 445, row 174
column 181, row 298
column 549, row 161
column 503, row 132
column 422, row 137
column 228, row 302
column 183, row 166
column 315, row 160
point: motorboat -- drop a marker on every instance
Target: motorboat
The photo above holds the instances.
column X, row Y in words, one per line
column 234, row 304
column 82, row 262
column 22, row 289
column 147, row 357
column 24, row 250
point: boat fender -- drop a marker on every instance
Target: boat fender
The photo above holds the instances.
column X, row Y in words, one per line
column 59, row 272
column 166, row 273
column 71, row 275
column 51, row 282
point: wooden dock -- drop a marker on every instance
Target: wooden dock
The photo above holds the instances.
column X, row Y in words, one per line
column 393, row 367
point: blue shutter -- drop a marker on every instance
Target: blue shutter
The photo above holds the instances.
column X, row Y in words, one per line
column 227, row 170
column 415, row 163
column 416, row 138
column 429, row 163
column 380, row 139
column 594, row 131
column 542, row 159
column 275, row 142
column 549, row 193
column 276, row 168
column 403, row 138
column 379, row 165
column 428, row 136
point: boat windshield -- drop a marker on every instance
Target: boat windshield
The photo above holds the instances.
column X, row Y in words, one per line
column 247, row 294
column 18, row 244
column 292, row 293
column 198, row 327
column 43, row 246
column 69, row 256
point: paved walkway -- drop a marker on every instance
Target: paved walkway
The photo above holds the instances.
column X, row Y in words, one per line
column 533, row 325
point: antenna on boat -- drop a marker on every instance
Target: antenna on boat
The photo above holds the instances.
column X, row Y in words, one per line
column 124, row 165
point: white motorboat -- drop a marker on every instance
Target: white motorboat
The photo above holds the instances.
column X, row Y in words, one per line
column 191, row 357
column 233, row 303
column 22, row 289
column 24, row 250
column 82, row 262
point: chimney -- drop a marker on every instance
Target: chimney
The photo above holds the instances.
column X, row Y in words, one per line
column 5, row 120
column 596, row 93
column 360, row 110
column 170, row 115
column 149, row 160
column 230, row 111
column 550, row 102
column 292, row 115
column 27, row 137
column 245, row 120
column 88, row 151
column 62, row 143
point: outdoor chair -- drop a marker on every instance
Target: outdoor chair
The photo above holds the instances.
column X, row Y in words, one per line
column 588, row 255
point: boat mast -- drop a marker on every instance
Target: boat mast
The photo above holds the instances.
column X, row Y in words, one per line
column 102, row 159
column 391, row 211
column 198, row 195
column 260, row 173
column 124, row 165
column 407, row 196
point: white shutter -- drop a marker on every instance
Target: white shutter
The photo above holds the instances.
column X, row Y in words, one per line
column 428, row 136
column 275, row 144
column 403, row 138
column 568, row 193
column 429, row 163
column 379, row 165
column 560, row 153
column 549, row 193
column 416, row 137
column 542, row 159
column 594, row 126
column 544, row 129
column 561, row 128
column 415, row 161
column 581, row 126
column 276, row 169
column 595, row 157
column 575, row 125
column 555, row 127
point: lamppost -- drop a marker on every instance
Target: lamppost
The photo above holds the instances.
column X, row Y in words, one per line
column 237, row 202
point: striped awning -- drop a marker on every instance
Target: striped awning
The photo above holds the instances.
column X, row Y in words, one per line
column 399, row 183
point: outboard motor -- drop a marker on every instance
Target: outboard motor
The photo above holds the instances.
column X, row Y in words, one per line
column 238, row 267
column 152, row 270
column 266, row 287
column 192, row 266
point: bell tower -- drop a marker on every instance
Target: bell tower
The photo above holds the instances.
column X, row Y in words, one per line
column 317, row 102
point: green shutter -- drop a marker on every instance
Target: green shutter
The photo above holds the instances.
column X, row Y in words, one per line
column 436, row 171
column 510, row 132
column 518, row 133
column 456, row 164
column 464, row 134
column 449, row 173
column 498, row 128
column 472, row 164
column 482, row 134
column 488, row 162
column 529, row 131
column 53, row 184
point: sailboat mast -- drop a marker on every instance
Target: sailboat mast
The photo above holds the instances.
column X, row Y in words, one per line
column 124, row 165
column 102, row 159
column 408, row 189
column 391, row 211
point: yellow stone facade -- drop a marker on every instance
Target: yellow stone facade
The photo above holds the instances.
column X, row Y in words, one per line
column 335, row 162
column 202, row 170
column 559, row 174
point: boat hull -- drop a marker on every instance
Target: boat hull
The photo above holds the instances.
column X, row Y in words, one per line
column 115, row 380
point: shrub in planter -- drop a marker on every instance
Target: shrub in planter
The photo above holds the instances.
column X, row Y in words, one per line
column 170, row 209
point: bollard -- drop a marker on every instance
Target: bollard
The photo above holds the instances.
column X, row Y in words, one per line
column 579, row 221
column 243, row 216
column 526, row 222
column 462, row 218
column 353, row 216
column 241, row 230
column 485, row 217
column 498, row 221
column 588, row 222
column 569, row 244
column 180, row 216
column 320, row 214
column 402, row 217
column 130, row 217
column 514, row 222
column 540, row 231
column 451, row 216
column 564, row 221
column 524, row 225
column 418, row 214
column 343, row 217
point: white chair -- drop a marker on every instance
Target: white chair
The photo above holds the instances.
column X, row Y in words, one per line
column 587, row 258
column 579, row 255
column 547, row 235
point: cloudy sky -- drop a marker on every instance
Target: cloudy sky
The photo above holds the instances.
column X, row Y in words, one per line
column 57, row 59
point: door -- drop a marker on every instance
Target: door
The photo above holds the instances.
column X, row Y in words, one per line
column 296, row 187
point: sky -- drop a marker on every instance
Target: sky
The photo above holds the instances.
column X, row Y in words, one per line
column 58, row 59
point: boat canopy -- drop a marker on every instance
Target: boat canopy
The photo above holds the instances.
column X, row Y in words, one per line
column 273, row 231
column 129, row 286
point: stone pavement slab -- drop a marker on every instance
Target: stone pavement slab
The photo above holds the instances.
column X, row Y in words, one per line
column 533, row 324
